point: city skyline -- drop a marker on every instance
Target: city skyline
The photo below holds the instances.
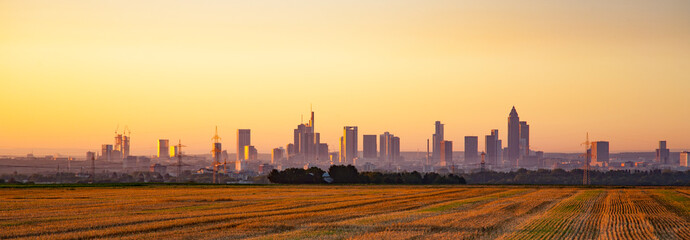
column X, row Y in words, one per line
column 72, row 73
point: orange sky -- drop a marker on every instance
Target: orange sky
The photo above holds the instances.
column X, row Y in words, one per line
column 71, row 71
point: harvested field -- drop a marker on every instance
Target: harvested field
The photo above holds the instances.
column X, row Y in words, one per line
column 350, row 212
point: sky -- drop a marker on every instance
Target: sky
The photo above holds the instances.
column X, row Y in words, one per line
column 72, row 72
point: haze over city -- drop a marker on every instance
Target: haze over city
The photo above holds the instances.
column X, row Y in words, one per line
column 71, row 74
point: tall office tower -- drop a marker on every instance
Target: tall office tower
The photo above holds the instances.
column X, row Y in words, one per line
column 250, row 153
column 323, row 153
column 384, row 146
column 662, row 154
column 306, row 141
column 118, row 146
column 471, row 150
column 163, row 148
column 524, row 139
column 446, row 153
column 276, row 155
column 513, row 138
column 493, row 148
column 389, row 147
column 369, row 146
column 243, row 139
column 600, row 154
column 289, row 150
column 395, row 148
column 174, row 151
column 125, row 146
column 349, row 145
column 436, row 140
column 90, row 155
column 685, row 159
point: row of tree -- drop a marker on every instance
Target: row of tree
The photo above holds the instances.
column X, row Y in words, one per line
column 341, row 174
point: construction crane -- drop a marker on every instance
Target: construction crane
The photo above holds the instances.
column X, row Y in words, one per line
column 587, row 155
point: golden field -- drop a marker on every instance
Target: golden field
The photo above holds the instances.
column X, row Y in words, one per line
column 349, row 212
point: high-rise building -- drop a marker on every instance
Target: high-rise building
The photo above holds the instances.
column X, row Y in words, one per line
column 217, row 152
column 662, row 153
column 369, row 146
column 250, row 153
column 446, row 153
column 306, row 141
column 600, row 154
column 513, row 138
column 243, row 139
column 163, row 148
column 437, row 137
column 490, row 146
column 277, row 155
column 389, row 147
column 174, row 151
column 323, row 152
column 125, row 146
column 524, row 139
column 471, row 150
column 349, row 144
column 685, row 159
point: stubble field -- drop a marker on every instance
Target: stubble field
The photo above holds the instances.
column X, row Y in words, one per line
column 350, row 212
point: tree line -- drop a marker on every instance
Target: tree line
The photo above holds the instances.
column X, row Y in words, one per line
column 341, row 174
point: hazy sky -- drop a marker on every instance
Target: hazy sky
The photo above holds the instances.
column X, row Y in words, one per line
column 71, row 71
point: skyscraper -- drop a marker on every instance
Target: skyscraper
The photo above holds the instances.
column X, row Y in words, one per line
column 684, row 159
column 600, row 154
column 389, row 147
column 306, row 141
column 348, row 152
column 662, row 153
column 243, row 139
column 250, row 153
column 446, row 153
column 524, row 139
column 471, row 149
column 513, row 138
column 163, row 148
column 277, row 155
column 436, row 140
column 369, row 146
column 493, row 148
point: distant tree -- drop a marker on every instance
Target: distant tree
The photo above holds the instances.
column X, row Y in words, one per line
column 344, row 174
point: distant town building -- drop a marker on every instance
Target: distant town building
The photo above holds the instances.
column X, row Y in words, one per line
column 471, row 150
column 158, row 168
column 334, row 157
column 163, row 148
column 684, row 159
column 89, row 155
column 243, row 140
column 446, row 153
column 369, row 146
column 437, row 137
column 662, row 154
column 348, row 145
column 240, row 165
column 265, row 168
column 174, row 151
column 600, row 154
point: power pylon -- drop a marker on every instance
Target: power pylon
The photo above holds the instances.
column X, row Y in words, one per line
column 215, row 152
column 587, row 155
column 179, row 160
